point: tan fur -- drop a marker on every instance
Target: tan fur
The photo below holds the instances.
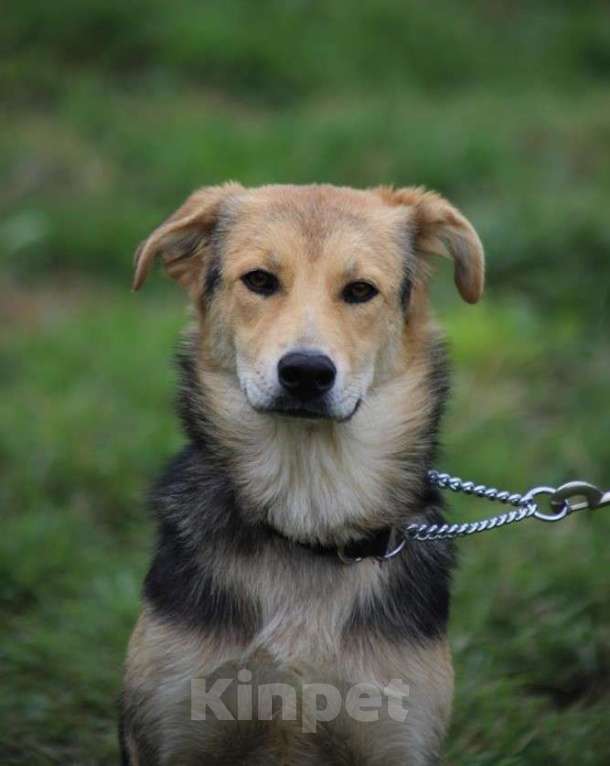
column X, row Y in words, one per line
column 358, row 235
column 443, row 230
column 315, row 240
column 439, row 227
column 196, row 215
column 164, row 659
column 310, row 477
column 298, row 643
column 323, row 481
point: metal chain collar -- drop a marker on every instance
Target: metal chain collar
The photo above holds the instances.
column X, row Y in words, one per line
column 564, row 500
column 570, row 497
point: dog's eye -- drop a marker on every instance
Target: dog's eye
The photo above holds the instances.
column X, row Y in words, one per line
column 359, row 292
column 261, row 282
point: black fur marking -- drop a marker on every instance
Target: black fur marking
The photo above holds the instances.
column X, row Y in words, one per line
column 182, row 590
column 131, row 729
column 189, row 401
column 405, row 291
column 406, row 242
column 197, row 514
column 124, row 753
column 213, row 275
column 438, row 385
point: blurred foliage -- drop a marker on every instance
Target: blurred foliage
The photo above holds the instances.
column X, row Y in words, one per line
column 113, row 112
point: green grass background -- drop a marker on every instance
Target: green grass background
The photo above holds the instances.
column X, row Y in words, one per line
column 112, row 112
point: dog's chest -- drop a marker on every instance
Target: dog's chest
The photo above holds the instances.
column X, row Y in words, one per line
column 304, row 610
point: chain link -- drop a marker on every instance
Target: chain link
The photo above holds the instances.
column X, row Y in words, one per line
column 524, row 507
column 570, row 497
column 564, row 500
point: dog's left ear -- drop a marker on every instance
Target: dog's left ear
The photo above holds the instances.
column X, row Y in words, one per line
column 183, row 240
column 440, row 229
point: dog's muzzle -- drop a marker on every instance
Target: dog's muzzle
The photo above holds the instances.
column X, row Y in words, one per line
column 306, row 378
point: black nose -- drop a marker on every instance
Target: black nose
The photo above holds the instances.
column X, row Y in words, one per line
column 306, row 375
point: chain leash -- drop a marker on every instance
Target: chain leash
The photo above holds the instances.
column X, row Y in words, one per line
column 564, row 500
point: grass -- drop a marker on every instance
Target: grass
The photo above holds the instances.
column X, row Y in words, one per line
column 109, row 125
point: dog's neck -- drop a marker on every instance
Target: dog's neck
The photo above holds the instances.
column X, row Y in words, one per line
column 321, row 481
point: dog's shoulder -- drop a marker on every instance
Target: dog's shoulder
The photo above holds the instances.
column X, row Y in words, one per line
column 196, row 514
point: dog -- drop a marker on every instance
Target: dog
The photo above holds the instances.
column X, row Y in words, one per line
column 312, row 384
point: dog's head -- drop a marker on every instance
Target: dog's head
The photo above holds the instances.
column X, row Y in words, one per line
column 311, row 296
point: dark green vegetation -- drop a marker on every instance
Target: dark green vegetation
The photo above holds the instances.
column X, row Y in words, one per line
column 113, row 112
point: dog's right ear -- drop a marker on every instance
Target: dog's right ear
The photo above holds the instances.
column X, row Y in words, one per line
column 183, row 240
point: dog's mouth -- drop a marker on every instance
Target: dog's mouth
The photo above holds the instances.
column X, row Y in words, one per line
column 309, row 411
column 300, row 412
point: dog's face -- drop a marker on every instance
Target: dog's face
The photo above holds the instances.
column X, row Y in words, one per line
column 311, row 299
column 310, row 296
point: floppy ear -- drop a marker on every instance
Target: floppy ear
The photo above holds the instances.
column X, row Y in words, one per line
column 440, row 229
column 183, row 240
